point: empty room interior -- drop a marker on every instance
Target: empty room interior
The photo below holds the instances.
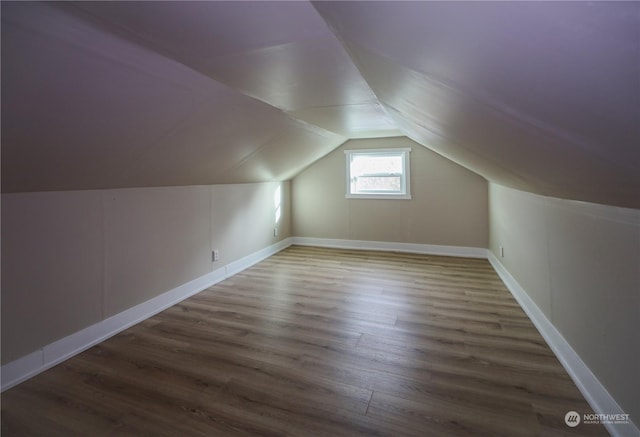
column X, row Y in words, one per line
column 320, row 218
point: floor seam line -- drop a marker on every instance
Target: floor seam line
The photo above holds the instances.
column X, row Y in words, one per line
column 366, row 413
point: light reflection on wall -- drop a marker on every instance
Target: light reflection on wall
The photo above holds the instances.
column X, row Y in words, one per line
column 277, row 200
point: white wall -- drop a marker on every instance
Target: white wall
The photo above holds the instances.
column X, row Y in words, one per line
column 155, row 240
column 243, row 218
column 448, row 205
column 580, row 264
column 52, row 267
column 74, row 258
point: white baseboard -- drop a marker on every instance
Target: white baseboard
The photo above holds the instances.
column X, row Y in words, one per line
column 20, row 370
column 594, row 392
column 237, row 266
column 429, row 249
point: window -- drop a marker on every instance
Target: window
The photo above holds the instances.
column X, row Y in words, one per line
column 378, row 174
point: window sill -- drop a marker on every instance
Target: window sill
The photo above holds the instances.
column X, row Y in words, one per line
column 379, row 196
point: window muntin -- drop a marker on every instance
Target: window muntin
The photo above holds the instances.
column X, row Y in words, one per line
column 378, row 173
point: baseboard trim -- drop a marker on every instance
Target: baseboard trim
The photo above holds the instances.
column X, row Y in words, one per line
column 243, row 263
column 594, row 392
column 20, row 370
column 428, row 249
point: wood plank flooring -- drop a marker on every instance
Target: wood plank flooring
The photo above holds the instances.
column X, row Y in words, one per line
column 317, row 342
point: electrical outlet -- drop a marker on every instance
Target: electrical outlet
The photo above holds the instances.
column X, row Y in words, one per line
column 215, row 255
column 501, row 252
column 275, row 231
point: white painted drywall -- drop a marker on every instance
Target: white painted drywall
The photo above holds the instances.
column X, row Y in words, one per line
column 74, row 258
column 580, row 263
column 448, row 205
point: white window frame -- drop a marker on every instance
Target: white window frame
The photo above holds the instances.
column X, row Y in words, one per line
column 405, row 193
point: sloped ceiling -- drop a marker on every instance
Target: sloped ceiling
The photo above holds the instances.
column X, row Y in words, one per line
column 539, row 96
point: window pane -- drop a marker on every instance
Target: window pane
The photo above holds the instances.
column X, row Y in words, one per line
column 362, row 164
column 378, row 183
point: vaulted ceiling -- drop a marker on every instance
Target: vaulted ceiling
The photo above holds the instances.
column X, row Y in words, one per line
column 539, row 96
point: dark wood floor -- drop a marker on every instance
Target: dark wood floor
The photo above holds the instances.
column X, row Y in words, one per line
column 317, row 342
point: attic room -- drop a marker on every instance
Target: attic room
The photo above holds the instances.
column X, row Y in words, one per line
column 189, row 247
